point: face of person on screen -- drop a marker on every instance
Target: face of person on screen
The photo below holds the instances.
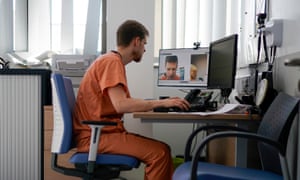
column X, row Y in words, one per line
column 171, row 65
column 171, row 70
column 193, row 72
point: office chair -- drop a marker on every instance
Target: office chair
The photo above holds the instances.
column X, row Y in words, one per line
column 272, row 136
column 86, row 165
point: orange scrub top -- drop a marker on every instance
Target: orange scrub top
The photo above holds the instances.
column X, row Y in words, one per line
column 93, row 102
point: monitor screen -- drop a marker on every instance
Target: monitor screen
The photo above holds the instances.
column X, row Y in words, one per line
column 185, row 67
column 222, row 63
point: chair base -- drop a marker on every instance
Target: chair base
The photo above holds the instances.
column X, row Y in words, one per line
column 101, row 172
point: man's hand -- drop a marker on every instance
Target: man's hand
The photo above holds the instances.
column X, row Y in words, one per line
column 176, row 102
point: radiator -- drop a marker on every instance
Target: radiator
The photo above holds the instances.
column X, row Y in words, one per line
column 21, row 122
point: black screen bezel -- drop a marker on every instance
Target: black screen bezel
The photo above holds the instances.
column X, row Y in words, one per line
column 211, row 80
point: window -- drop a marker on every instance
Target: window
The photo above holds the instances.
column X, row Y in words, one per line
column 70, row 30
column 184, row 22
column 31, row 27
column 13, row 21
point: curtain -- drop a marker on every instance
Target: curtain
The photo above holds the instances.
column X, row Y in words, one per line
column 76, row 26
column 187, row 21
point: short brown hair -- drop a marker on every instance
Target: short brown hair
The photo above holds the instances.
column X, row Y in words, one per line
column 171, row 59
column 129, row 30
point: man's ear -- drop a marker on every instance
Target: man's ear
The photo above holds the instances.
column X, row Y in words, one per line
column 136, row 41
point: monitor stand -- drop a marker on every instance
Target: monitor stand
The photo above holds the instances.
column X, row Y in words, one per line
column 225, row 95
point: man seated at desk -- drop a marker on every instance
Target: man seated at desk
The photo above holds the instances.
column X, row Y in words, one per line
column 104, row 94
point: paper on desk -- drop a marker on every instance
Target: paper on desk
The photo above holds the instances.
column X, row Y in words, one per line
column 226, row 108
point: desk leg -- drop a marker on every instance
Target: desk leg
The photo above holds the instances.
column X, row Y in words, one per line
column 241, row 154
column 241, row 149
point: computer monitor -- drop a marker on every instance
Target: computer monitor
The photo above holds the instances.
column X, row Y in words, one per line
column 183, row 67
column 222, row 64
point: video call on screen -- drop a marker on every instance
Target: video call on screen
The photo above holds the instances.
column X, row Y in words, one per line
column 191, row 67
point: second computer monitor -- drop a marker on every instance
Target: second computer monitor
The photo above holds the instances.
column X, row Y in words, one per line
column 222, row 64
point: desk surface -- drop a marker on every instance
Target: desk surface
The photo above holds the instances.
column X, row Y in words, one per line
column 241, row 120
column 186, row 117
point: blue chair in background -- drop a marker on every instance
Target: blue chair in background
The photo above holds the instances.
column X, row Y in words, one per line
column 272, row 137
column 86, row 165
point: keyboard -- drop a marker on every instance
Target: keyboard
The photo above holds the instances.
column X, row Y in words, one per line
column 193, row 108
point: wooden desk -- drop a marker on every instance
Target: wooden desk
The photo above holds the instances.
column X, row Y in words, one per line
column 161, row 117
column 240, row 120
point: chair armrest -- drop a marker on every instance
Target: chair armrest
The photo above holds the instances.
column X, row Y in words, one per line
column 246, row 135
column 187, row 151
column 96, row 127
column 100, row 123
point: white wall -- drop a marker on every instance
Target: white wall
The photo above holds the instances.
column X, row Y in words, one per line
column 286, row 78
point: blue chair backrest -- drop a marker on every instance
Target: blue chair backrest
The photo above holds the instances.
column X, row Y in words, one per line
column 276, row 124
column 63, row 99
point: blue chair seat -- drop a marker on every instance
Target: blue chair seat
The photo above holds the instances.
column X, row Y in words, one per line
column 90, row 165
column 106, row 159
column 218, row 172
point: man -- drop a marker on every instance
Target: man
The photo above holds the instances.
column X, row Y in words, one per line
column 171, row 64
column 104, row 95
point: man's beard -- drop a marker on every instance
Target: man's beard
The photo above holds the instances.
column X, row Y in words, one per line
column 137, row 57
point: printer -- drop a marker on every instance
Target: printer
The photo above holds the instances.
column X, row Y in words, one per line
column 72, row 66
